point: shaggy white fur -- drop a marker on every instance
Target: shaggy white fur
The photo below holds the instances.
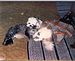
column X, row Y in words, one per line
column 49, row 28
column 32, row 21
column 34, row 24
column 42, row 33
column 48, row 45
column 45, row 35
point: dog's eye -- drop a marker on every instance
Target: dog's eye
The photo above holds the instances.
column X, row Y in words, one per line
column 38, row 33
column 28, row 23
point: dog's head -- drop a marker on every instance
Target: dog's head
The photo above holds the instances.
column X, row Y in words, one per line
column 34, row 23
column 42, row 33
column 7, row 41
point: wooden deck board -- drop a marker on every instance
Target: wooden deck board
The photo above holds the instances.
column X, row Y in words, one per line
column 49, row 55
column 62, row 51
column 70, row 41
column 35, row 51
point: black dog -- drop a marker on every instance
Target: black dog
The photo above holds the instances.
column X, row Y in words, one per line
column 14, row 30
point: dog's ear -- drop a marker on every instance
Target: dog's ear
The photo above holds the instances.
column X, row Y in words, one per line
column 7, row 41
column 40, row 21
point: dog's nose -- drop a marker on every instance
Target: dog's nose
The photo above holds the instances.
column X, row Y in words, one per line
column 30, row 25
column 34, row 27
column 7, row 41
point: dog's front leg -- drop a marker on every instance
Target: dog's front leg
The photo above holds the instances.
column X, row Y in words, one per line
column 48, row 44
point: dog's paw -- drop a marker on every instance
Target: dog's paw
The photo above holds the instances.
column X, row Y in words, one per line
column 49, row 47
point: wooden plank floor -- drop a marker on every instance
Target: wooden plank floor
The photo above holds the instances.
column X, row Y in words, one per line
column 62, row 51
column 23, row 50
column 68, row 42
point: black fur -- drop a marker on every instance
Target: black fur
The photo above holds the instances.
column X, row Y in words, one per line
column 14, row 30
column 68, row 18
column 8, row 38
column 27, row 32
column 7, row 41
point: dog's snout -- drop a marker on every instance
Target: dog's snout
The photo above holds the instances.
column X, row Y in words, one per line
column 34, row 27
column 36, row 37
column 7, row 41
column 30, row 25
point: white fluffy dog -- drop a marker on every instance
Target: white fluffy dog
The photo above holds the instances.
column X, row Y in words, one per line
column 45, row 35
column 34, row 24
column 40, row 34
column 49, row 28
